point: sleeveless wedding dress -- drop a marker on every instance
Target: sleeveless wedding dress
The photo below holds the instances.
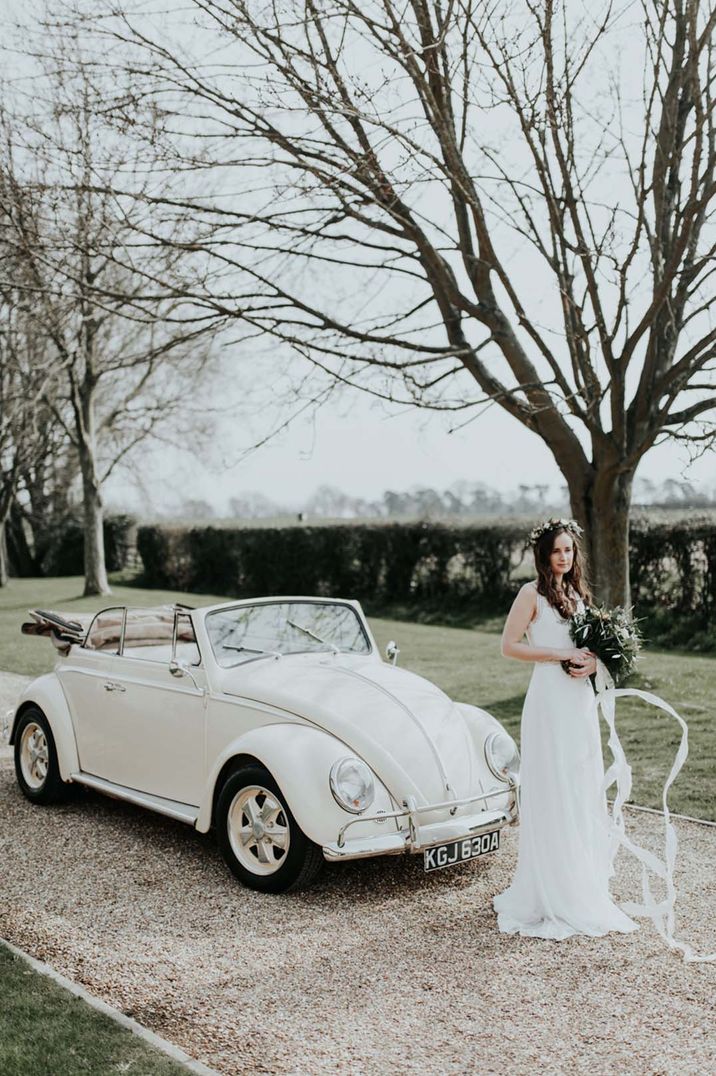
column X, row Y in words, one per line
column 561, row 885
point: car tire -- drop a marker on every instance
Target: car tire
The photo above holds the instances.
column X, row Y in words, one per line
column 258, row 836
column 36, row 766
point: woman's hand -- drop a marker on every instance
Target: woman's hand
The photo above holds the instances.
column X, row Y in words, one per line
column 578, row 656
column 583, row 663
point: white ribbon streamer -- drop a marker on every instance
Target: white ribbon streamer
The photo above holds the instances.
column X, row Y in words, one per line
column 661, row 913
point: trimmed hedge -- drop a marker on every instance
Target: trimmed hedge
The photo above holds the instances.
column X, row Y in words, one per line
column 673, row 578
column 382, row 563
column 673, row 566
column 65, row 550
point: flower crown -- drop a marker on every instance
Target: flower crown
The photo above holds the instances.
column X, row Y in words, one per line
column 569, row 525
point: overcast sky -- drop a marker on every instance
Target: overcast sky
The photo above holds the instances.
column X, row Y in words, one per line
column 358, row 447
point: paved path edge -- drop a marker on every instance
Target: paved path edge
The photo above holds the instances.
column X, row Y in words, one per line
column 120, row 1018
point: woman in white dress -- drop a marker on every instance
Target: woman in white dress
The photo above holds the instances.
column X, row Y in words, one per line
column 561, row 885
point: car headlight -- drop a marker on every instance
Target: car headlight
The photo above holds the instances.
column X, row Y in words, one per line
column 502, row 755
column 352, row 784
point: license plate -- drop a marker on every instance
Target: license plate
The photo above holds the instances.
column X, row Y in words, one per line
column 446, row 855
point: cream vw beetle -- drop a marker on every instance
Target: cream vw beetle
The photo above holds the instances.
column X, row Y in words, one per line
column 274, row 720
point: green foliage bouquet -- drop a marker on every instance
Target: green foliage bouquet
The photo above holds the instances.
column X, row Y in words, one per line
column 611, row 634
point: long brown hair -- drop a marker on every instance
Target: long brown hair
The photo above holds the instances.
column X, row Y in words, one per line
column 574, row 582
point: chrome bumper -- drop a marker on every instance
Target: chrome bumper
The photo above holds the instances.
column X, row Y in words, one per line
column 416, row 838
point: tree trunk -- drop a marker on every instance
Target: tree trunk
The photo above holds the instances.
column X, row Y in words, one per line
column 3, row 556
column 96, row 581
column 20, row 555
column 602, row 508
column 5, row 504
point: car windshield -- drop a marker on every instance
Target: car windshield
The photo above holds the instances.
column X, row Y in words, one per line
column 247, row 632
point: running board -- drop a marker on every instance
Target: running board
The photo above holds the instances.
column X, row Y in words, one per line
column 183, row 812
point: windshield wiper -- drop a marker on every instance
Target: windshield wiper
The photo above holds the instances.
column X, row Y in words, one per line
column 312, row 634
column 252, row 650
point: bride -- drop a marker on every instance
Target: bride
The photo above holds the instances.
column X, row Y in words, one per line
column 561, row 885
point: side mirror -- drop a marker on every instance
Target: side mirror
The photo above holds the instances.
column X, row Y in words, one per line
column 392, row 651
column 180, row 668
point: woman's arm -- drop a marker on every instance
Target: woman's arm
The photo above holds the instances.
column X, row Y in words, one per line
column 518, row 620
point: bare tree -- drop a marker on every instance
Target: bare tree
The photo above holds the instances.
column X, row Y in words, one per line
column 24, row 381
column 125, row 356
column 459, row 204
column 46, row 496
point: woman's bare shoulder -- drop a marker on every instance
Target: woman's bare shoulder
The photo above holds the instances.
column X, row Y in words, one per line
column 527, row 594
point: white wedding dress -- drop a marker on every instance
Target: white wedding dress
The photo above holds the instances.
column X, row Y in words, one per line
column 561, row 885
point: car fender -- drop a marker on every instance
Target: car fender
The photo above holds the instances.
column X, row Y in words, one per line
column 479, row 722
column 47, row 694
column 480, row 725
column 299, row 758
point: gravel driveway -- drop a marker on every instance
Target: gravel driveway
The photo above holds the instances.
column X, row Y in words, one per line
column 377, row 968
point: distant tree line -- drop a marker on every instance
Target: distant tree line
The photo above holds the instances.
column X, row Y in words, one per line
column 461, row 500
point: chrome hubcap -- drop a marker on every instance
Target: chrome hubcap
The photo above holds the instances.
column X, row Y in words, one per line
column 258, row 830
column 34, row 756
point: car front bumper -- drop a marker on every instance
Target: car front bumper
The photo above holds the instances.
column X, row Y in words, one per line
column 413, row 837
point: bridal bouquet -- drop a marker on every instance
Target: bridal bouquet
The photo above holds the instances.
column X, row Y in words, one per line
column 611, row 634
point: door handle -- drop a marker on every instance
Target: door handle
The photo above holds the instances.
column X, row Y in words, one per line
column 110, row 685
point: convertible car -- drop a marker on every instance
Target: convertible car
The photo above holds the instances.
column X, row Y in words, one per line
column 277, row 722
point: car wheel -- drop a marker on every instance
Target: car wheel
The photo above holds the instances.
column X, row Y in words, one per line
column 36, row 766
column 258, row 836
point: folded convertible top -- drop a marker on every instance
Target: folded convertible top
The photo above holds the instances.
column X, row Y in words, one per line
column 47, row 622
column 144, row 627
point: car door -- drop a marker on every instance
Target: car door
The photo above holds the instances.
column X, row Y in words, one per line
column 154, row 728
column 85, row 676
column 137, row 723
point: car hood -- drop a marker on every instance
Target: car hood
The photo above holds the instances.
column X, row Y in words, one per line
column 408, row 731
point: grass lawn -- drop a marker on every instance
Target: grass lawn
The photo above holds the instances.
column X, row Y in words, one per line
column 466, row 663
column 46, row 1031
